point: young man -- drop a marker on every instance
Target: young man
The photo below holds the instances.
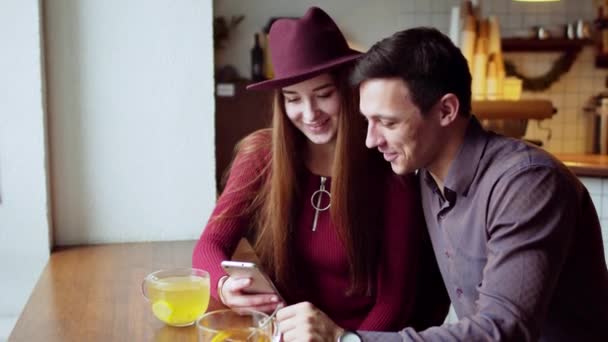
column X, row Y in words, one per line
column 515, row 233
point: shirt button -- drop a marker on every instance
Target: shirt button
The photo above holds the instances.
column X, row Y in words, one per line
column 447, row 254
column 459, row 292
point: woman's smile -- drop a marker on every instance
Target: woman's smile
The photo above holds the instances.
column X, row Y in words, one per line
column 318, row 126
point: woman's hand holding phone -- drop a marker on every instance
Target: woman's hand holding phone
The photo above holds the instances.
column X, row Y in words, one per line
column 233, row 292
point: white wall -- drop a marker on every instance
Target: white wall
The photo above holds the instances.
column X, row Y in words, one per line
column 131, row 119
column 24, row 207
column 598, row 189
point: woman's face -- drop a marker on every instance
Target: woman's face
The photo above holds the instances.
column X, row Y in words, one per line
column 313, row 106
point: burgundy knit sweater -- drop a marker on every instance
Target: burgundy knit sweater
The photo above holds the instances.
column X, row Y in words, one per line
column 321, row 261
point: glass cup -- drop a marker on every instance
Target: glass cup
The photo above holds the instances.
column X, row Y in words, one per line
column 231, row 326
column 177, row 297
column 512, row 88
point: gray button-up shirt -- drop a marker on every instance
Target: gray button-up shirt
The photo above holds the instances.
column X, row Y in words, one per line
column 519, row 246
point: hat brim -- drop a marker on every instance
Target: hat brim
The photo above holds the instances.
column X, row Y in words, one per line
column 302, row 75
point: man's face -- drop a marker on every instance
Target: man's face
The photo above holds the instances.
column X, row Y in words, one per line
column 396, row 127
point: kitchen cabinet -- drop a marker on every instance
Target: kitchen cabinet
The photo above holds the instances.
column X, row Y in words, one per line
column 238, row 112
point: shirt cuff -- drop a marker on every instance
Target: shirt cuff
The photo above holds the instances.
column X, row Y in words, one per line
column 372, row 336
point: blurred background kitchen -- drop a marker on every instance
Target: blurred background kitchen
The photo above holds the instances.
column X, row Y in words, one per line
column 117, row 118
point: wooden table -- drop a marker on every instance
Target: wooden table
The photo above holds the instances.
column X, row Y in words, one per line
column 586, row 165
column 93, row 293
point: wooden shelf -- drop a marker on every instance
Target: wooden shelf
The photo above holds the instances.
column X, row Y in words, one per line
column 601, row 61
column 543, row 45
column 513, row 110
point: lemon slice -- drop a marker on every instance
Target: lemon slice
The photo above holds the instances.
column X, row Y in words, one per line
column 221, row 336
column 163, row 311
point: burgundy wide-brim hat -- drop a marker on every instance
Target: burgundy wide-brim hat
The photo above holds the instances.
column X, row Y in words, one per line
column 303, row 48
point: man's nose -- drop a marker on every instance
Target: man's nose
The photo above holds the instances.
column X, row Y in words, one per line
column 371, row 139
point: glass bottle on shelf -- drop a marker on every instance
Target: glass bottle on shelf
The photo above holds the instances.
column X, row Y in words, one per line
column 257, row 60
column 601, row 27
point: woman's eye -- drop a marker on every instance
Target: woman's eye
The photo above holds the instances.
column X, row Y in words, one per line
column 387, row 123
column 325, row 95
column 292, row 100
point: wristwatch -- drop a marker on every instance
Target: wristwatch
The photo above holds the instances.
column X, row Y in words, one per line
column 349, row 336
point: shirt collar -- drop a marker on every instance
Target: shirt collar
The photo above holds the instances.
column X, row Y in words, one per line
column 464, row 166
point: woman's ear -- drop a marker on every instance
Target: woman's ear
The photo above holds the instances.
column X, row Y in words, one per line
column 449, row 105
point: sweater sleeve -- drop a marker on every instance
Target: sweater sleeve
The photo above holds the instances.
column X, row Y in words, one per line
column 230, row 221
column 400, row 255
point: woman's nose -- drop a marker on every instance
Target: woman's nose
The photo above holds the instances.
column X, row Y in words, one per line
column 310, row 111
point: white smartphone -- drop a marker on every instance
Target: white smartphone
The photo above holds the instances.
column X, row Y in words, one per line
column 261, row 283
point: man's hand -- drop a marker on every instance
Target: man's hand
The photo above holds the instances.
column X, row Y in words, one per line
column 303, row 322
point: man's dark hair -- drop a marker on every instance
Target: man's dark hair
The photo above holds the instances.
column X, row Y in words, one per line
column 427, row 60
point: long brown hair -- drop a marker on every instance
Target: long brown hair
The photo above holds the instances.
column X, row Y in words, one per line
column 356, row 188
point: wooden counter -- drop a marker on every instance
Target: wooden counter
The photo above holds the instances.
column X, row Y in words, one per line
column 513, row 110
column 586, row 165
column 93, row 293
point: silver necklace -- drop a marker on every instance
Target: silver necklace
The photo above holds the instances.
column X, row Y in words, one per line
column 315, row 200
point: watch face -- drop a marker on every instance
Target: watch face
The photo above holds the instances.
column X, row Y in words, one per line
column 350, row 336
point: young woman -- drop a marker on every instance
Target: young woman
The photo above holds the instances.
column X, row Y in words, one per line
column 329, row 222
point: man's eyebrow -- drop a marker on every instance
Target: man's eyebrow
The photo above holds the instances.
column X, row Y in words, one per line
column 323, row 86
column 379, row 116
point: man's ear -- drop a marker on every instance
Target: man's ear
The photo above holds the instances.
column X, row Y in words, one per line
column 449, row 105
